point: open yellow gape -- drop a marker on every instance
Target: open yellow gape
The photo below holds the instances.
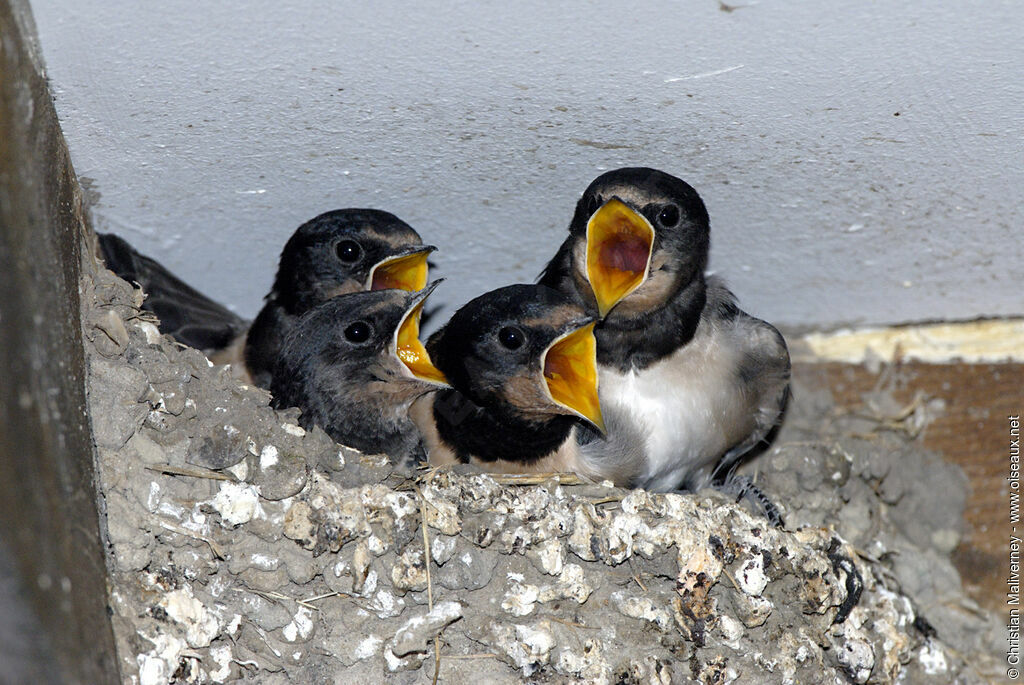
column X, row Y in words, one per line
column 570, row 374
column 405, row 272
column 411, row 351
column 619, row 246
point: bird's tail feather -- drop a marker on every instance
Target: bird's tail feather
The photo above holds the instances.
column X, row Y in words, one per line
column 185, row 314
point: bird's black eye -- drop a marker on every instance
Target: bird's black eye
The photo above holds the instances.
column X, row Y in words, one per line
column 668, row 216
column 349, row 251
column 511, row 337
column 359, row 332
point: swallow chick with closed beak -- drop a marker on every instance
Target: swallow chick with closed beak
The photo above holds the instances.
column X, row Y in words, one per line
column 338, row 252
column 354, row 364
column 521, row 361
column 702, row 381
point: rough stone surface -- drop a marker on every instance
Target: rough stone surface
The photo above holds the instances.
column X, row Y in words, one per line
column 242, row 548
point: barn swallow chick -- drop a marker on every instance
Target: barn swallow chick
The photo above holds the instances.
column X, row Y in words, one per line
column 338, row 252
column 522, row 364
column 354, row 364
column 700, row 379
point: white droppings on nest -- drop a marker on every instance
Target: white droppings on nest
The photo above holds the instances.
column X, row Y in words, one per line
column 853, row 648
column 151, row 332
column 409, row 647
column 528, row 647
column 520, row 598
column 893, row 614
column 442, row 513
column 409, row 572
column 157, row 666
column 530, row 504
column 442, row 549
column 201, row 624
column 751, row 576
column 396, row 663
column 367, row 647
column 516, row 539
column 642, row 608
column 386, row 605
column 360, row 565
column 619, row 534
column 583, row 536
column 171, row 510
column 383, row 497
column 239, row 470
column 264, row 561
column 237, row 503
column 292, row 429
column 572, row 584
column 196, row 521
column 377, row 546
column 154, row 496
column 217, row 586
column 370, row 584
column 732, row 630
column 301, row 626
column 416, row 633
column 933, row 658
column 589, row 663
column 268, row 457
column 756, row 610
column 481, row 488
column 233, row 625
column 551, row 554
column 222, row 657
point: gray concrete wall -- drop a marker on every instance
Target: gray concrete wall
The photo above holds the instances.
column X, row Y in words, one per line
column 862, row 161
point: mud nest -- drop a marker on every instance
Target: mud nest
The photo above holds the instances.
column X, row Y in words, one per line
column 242, row 547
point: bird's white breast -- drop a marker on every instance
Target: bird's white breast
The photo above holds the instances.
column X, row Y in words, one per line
column 684, row 405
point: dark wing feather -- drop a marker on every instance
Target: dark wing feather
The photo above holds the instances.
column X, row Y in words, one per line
column 185, row 314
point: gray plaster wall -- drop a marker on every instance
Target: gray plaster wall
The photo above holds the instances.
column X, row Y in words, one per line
column 862, row 161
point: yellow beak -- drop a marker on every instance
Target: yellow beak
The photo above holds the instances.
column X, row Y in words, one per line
column 570, row 373
column 402, row 272
column 619, row 246
column 411, row 351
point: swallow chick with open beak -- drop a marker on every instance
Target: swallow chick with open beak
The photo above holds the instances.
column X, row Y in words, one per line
column 338, row 252
column 521, row 361
column 354, row 364
column 700, row 379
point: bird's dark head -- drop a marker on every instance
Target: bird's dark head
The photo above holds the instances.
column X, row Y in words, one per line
column 345, row 251
column 359, row 340
column 354, row 365
column 523, row 349
column 639, row 237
